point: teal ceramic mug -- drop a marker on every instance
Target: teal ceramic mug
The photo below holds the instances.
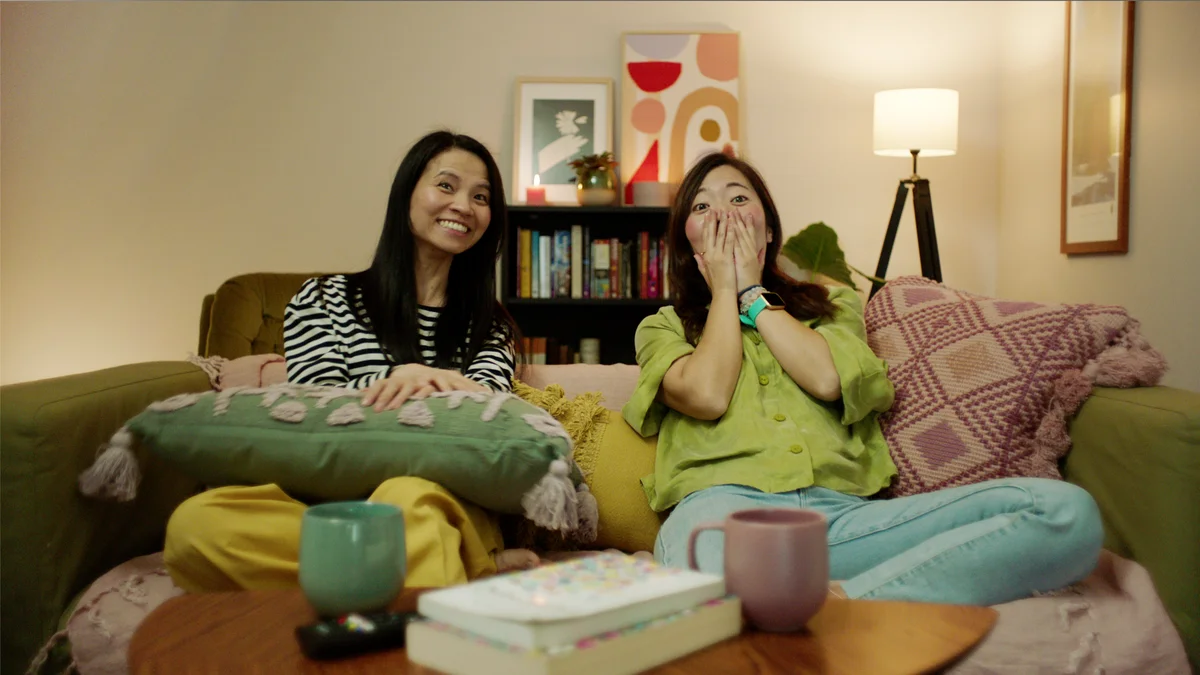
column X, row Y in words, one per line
column 352, row 556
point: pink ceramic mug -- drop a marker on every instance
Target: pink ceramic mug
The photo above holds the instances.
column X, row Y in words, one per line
column 777, row 562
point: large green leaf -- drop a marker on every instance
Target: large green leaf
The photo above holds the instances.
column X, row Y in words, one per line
column 816, row 249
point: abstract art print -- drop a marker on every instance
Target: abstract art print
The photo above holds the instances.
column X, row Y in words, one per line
column 558, row 120
column 680, row 99
column 1096, row 137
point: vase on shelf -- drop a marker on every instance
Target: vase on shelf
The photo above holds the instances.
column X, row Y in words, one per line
column 595, row 179
column 597, row 188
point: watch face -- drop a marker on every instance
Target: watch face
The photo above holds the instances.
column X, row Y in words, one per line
column 773, row 300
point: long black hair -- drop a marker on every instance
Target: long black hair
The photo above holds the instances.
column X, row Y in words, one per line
column 389, row 286
column 692, row 296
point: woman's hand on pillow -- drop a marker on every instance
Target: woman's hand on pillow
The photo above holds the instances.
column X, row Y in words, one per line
column 414, row 380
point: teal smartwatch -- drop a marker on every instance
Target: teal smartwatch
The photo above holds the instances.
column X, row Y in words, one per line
column 765, row 300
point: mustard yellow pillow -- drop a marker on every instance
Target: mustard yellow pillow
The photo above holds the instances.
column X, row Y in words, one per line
column 623, row 458
column 613, row 459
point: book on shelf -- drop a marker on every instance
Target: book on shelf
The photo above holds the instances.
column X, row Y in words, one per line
column 524, row 262
column 632, row 649
column 545, row 247
column 600, row 258
column 576, row 253
column 556, row 351
column 562, row 603
column 570, row 263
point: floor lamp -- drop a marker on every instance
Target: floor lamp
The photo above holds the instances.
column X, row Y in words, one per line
column 914, row 122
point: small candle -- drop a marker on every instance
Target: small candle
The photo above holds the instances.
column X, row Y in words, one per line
column 535, row 194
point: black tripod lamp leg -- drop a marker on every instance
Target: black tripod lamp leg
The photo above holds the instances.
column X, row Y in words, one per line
column 889, row 239
column 931, row 263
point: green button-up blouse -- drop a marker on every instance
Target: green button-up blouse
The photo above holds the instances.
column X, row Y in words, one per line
column 774, row 436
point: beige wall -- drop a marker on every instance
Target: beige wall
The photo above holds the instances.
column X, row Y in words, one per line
column 1159, row 277
column 152, row 150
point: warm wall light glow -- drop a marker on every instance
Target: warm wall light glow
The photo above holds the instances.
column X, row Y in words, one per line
column 916, row 119
column 1115, row 109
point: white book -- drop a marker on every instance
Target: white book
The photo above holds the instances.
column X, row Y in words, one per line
column 562, row 603
column 547, row 243
column 634, row 649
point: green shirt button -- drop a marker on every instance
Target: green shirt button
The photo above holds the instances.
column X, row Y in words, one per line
column 796, row 449
column 779, row 417
column 763, row 379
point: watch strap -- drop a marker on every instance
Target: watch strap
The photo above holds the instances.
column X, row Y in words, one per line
column 756, row 308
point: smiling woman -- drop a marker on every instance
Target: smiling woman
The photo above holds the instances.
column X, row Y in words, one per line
column 422, row 319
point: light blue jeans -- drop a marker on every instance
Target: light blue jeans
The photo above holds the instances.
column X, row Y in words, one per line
column 980, row 544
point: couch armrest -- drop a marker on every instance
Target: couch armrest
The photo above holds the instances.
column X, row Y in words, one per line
column 55, row 541
column 1137, row 451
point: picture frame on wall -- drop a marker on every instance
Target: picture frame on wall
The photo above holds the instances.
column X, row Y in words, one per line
column 557, row 120
column 681, row 97
column 1097, row 102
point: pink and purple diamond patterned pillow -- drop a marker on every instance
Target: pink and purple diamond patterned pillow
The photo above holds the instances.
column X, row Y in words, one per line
column 984, row 387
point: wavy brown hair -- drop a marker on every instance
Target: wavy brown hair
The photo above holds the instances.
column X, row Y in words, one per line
column 691, row 293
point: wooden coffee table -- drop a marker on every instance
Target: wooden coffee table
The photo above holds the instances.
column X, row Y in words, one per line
column 253, row 632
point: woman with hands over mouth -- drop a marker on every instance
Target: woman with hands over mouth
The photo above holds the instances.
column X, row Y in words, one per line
column 423, row 318
column 764, row 393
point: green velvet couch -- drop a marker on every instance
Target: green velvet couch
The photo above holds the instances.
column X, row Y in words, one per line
column 1137, row 451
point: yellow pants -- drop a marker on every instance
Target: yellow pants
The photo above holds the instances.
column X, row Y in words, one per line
column 235, row 538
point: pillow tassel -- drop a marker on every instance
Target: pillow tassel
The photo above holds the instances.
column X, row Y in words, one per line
column 115, row 472
column 589, row 515
column 552, row 503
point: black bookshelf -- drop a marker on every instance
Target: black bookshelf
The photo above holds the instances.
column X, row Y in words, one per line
column 612, row 320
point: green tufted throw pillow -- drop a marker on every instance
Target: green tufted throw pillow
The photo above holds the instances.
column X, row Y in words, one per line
column 319, row 443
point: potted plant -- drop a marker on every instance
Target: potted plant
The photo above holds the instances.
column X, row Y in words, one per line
column 595, row 180
column 815, row 249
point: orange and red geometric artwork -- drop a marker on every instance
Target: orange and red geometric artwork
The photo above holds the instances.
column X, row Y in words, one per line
column 680, row 99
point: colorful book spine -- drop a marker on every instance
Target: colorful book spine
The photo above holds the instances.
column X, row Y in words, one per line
column 535, row 265
column 587, row 262
column 562, row 264
column 653, row 282
column 576, row 261
column 601, row 278
column 614, row 268
column 545, row 258
column 525, row 262
column 664, row 257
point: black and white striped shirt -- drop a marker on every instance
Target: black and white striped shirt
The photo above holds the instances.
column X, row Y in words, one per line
column 327, row 342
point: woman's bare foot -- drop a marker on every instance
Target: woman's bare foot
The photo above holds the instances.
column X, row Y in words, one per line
column 516, row 559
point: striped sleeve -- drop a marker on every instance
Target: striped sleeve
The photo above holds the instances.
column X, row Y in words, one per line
column 314, row 324
column 494, row 364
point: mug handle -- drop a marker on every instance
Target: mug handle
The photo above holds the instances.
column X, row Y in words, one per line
column 692, row 541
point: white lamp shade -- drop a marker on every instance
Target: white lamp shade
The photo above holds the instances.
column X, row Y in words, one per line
column 916, row 119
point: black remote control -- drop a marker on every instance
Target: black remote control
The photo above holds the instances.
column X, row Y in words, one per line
column 354, row 634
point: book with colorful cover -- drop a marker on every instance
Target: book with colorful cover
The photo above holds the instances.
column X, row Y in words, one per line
column 562, row 603
column 525, row 258
column 562, row 264
column 631, row 649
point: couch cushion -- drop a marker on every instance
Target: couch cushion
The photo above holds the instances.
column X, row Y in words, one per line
column 615, row 383
column 984, row 387
column 246, row 316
